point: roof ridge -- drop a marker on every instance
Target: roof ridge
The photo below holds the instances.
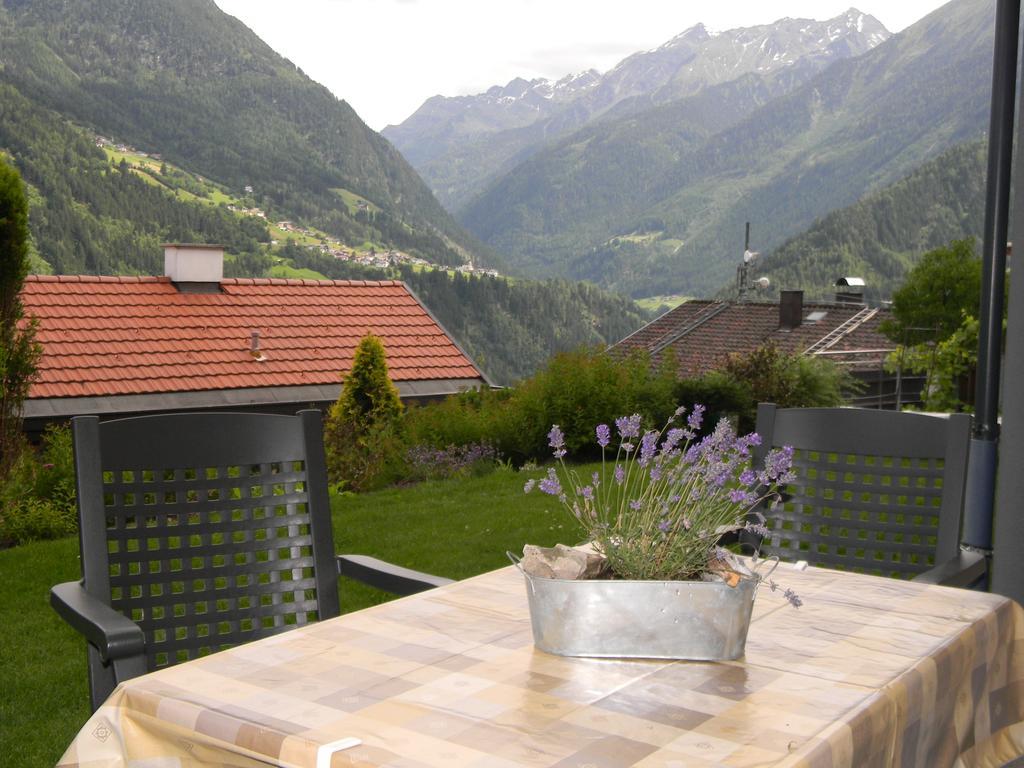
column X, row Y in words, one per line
column 305, row 281
column 96, row 279
column 135, row 279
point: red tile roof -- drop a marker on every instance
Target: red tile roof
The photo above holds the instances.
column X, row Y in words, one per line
column 140, row 335
column 703, row 334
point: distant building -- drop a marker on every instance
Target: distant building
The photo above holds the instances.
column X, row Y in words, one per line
column 192, row 340
column 702, row 334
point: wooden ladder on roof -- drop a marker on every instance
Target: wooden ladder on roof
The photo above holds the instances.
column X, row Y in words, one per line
column 841, row 330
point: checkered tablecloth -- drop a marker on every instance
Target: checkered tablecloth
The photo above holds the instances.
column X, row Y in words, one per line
column 869, row 672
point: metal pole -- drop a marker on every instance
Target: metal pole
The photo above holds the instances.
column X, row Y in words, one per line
column 981, row 471
column 1007, row 577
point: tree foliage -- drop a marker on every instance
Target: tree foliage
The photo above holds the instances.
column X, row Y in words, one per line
column 788, row 380
column 937, row 293
column 362, row 431
column 19, row 351
column 948, row 365
column 510, row 328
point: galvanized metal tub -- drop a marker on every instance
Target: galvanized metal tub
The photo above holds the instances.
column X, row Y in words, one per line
column 695, row 620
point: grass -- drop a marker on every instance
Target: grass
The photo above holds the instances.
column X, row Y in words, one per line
column 652, row 303
column 454, row 528
column 284, row 270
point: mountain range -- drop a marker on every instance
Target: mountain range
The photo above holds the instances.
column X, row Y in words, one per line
column 655, row 201
column 460, row 144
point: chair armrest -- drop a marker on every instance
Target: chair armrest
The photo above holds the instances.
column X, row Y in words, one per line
column 114, row 635
column 383, row 575
column 962, row 570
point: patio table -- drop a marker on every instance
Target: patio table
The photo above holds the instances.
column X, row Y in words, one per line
column 868, row 672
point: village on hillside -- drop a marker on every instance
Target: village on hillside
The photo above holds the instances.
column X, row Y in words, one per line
column 149, row 163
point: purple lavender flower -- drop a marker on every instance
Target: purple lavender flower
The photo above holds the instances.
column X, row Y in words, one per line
column 758, row 529
column 604, row 435
column 628, row 426
column 672, row 439
column 696, row 416
column 556, row 439
column 748, row 477
column 665, row 526
column 550, row 484
column 776, row 464
column 635, row 505
column 740, row 496
column 587, row 492
column 620, row 474
column 529, row 485
column 648, row 446
column 793, row 597
column 596, row 479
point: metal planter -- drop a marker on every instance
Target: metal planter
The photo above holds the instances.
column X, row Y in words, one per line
column 695, row 620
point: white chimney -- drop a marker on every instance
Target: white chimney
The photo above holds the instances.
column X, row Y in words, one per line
column 194, row 267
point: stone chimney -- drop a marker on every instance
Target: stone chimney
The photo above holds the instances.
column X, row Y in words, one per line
column 850, row 290
column 194, row 268
column 791, row 309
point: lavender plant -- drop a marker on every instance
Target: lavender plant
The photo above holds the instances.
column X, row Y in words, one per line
column 659, row 508
column 454, row 461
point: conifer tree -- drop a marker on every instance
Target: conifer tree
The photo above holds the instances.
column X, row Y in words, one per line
column 362, row 430
column 19, row 351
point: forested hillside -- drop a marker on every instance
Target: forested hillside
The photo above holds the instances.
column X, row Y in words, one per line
column 88, row 216
column 672, row 217
column 880, row 237
column 185, row 80
column 509, row 327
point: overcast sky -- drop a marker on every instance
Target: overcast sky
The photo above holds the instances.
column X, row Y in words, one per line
column 386, row 57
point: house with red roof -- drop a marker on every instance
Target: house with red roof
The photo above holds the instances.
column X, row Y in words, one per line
column 703, row 334
column 193, row 340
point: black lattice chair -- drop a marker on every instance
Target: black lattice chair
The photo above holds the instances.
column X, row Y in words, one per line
column 202, row 531
column 876, row 491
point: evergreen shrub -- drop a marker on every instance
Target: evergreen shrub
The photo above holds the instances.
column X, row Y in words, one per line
column 363, row 436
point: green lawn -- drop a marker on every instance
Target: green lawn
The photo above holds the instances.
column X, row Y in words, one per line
column 286, row 271
column 451, row 528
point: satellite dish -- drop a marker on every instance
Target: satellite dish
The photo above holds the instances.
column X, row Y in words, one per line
column 749, row 256
column 762, row 283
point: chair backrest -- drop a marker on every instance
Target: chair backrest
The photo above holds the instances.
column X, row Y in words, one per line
column 207, row 530
column 875, row 491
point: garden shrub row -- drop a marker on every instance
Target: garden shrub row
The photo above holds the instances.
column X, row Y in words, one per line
column 372, row 440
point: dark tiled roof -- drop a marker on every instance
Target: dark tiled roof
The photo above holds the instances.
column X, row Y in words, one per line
column 703, row 334
column 105, row 336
